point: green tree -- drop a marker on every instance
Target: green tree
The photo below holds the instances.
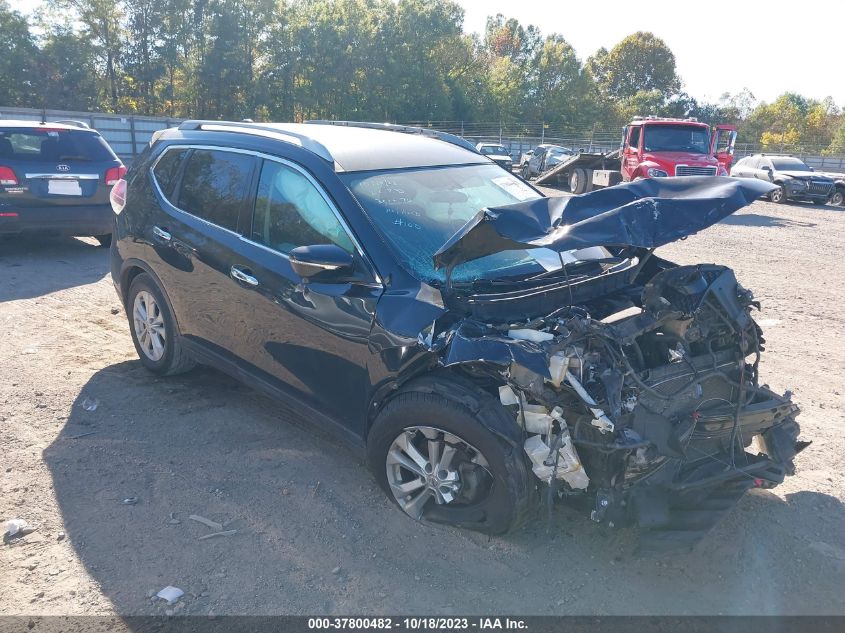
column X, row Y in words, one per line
column 837, row 143
column 103, row 21
column 639, row 63
column 18, row 60
column 66, row 62
column 563, row 93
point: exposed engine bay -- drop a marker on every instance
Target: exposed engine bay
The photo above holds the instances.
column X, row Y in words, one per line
column 638, row 397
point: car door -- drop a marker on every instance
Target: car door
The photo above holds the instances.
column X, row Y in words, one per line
column 764, row 170
column 194, row 235
column 310, row 336
column 535, row 165
column 631, row 153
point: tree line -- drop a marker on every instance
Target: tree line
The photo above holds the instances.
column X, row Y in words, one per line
column 382, row 60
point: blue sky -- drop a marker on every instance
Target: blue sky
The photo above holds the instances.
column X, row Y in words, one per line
column 768, row 46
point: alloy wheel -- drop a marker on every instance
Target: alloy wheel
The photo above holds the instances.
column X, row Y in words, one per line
column 425, row 463
column 149, row 326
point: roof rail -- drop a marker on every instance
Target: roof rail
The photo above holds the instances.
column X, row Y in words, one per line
column 406, row 129
column 265, row 130
column 79, row 124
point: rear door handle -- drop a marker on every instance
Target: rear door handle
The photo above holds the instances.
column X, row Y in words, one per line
column 243, row 276
column 161, row 234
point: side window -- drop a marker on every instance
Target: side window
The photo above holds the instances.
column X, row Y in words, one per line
column 167, row 168
column 214, row 186
column 291, row 212
column 634, row 140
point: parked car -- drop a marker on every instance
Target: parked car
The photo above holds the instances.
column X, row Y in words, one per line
column 437, row 313
column 545, row 157
column 56, row 178
column 497, row 153
column 795, row 180
column 837, row 196
column 526, row 156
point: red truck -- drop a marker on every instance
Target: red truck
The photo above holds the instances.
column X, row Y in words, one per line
column 652, row 147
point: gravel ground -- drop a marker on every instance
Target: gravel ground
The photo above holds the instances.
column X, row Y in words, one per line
column 313, row 533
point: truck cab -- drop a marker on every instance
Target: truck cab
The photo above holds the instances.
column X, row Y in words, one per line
column 655, row 147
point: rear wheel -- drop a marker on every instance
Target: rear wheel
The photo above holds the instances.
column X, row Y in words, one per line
column 778, row 196
column 104, row 240
column 153, row 329
column 838, row 198
column 438, row 462
column 578, row 180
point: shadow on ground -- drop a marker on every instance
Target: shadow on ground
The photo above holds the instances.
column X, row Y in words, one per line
column 315, row 535
column 761, row 220
column 76, row 263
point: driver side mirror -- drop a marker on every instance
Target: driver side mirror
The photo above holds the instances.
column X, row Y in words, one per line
column 308, row 261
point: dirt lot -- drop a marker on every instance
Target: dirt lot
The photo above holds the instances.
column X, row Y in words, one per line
column 314, row 535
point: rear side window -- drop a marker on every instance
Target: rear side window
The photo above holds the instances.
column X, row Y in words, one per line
column 53, row 146
column 214, row 186
column 167, row 168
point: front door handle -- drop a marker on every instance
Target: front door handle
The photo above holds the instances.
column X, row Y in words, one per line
column 243, row 276
column 161, row 234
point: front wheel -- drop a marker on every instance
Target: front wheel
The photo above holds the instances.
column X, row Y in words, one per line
column 778, row 196
column 524, row 172
column 153, row 329
column 438, row 462
column 838, row 198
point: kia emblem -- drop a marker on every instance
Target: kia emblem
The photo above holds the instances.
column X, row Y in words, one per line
column 63, row 167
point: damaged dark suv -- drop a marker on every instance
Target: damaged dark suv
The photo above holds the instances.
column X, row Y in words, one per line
column 488, row 347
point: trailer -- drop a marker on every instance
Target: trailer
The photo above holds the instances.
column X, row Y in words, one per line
column 585, row 171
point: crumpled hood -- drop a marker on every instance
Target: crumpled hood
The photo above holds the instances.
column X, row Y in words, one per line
column 805, row 175
column 646, row 214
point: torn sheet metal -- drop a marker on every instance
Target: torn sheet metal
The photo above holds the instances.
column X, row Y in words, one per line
column 646, row 214
column 472, row 342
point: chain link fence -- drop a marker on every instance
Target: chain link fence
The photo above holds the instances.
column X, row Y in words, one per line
column 518, row 138
column 129, row 134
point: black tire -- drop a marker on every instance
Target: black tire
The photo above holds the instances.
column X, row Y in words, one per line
column 838, row 198
column 578, row 180
column 511, row 498
column 524, row 172
column 778, row 196
column 104, row 240
column 175, row 359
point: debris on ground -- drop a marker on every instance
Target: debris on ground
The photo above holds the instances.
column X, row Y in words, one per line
column 213, row 534
column 214, row 525
column 130, row 501
column 90, row 404
column 170, row 593
column 14, row 526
